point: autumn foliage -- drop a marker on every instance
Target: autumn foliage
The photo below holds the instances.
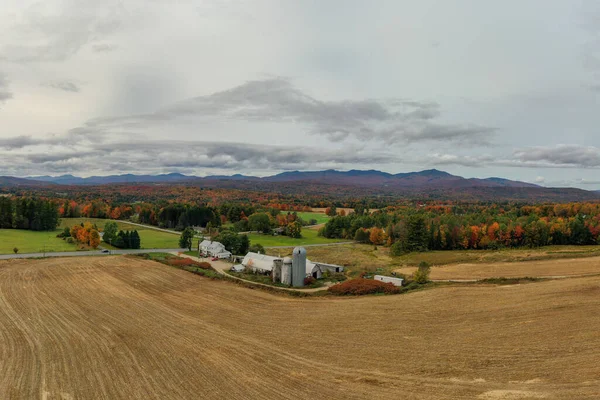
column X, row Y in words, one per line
column 361, row 286
column 86, row 234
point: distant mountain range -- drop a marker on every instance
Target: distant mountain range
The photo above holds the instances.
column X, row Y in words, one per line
column 427, row 185
column 369, row 178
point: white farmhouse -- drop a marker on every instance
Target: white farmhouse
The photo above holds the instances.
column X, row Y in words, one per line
column 213, row 249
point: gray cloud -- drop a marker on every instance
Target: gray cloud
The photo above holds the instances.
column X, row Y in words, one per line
column 44, row 35
column 562, row 155
column 277, row 100
column 66, row 86
column 176, row 155
column 17, row 142
column 104, row 47
column 559, row 156
column 5, row 94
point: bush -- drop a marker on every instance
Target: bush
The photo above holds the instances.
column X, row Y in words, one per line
column 421, row 275
column 360, row 287
column 309, row 280
column 186, row 262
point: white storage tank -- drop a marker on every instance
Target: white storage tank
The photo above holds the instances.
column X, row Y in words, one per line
column 298, row 266
column 277, row 265
column 286, row 271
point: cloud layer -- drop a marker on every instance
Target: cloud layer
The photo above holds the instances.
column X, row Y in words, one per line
column 96, row 87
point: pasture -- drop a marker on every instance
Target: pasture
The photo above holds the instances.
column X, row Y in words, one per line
column 320, row 217
column 128, row 328
column 151, row 239
column 309, row 236
column 32, row 241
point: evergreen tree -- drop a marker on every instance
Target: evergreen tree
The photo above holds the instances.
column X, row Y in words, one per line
column 135, row 240
column 417, row 239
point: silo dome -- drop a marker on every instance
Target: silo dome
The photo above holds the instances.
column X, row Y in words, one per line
column 287, row 260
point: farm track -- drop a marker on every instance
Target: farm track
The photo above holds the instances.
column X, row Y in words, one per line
column 122, row 328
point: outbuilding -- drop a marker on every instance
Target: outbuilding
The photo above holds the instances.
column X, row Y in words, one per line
column 389, row 279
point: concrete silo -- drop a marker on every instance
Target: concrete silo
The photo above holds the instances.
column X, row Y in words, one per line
column 298, row 266
column 286, row 271
column 277, row 265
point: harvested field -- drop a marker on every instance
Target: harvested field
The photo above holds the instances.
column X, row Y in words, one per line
column 538, row 269
column 127, row 328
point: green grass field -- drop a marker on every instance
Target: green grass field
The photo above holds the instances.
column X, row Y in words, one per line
column 151, row 239
column 32, row 241
column 309, row 236
column 320, row 217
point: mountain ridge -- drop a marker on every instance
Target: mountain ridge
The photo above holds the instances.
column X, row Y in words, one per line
column 425, row 178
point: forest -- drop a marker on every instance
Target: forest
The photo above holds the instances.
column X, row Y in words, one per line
column 28, row 213
column 470, row 226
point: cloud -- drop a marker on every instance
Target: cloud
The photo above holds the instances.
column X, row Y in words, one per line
column 48, row 34
column 561, row 155
column 276, row 100
column 66, row 86
column 17, row 142
column 5, row 94
column 192, row 155
column 104, row 47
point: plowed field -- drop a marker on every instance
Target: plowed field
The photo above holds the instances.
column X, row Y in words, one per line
column 124, row 328
column 538, row 269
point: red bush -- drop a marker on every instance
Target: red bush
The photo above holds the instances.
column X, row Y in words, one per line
column 309, row 280
column 186, row 262
column 360, row 286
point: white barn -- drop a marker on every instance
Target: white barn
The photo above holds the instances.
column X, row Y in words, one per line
column 389, row 279
column 265, row 264
column 259, row 262
column 213, row 249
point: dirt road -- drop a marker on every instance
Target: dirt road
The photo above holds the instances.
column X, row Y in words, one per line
column 122, row 328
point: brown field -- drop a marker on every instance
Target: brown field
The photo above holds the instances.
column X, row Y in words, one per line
column 538, row 269
column 125, row 328
column 358, row 258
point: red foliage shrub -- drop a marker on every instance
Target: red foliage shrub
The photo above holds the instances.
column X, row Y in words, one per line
column 309, row 280
column 186, row 262
column 204, row 265
column 360, row 286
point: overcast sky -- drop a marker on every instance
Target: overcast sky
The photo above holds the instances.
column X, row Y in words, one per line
column 476, row 88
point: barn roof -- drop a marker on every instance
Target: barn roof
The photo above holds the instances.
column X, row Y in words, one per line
column 259, row 261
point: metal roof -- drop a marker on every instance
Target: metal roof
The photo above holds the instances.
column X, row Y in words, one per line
column 259, row 261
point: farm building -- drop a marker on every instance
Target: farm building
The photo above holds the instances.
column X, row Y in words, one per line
column 260, row 263
column 208, row 248
column 284, row 270
column 389, row 279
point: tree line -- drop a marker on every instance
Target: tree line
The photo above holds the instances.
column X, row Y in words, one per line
column 472, row 227
column 28, row 213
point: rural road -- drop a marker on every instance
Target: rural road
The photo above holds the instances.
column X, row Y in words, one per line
column 222, row 267
column 147, row 226
column 86, row 253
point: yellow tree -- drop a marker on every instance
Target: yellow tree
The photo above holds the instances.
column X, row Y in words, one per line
column 94, row 238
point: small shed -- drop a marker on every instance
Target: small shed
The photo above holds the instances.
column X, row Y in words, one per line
column 237, row 268
column 389, row 279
